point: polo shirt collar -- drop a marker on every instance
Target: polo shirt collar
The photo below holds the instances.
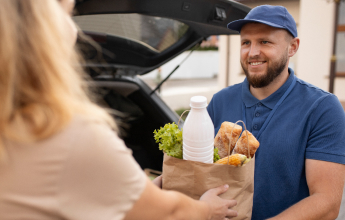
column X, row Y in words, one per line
column 249, row 100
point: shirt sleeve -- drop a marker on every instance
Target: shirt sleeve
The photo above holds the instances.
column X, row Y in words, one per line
column 327, row 137
column 100, row 179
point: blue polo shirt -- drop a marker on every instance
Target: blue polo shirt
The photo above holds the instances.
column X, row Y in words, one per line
column 308, row 124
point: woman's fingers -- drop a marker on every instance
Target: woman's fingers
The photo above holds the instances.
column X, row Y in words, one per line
column 231, row 203
column 231, row 214
column 220, row 208
column 220, row 190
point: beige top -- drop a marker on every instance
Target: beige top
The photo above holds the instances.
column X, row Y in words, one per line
column 84, row 172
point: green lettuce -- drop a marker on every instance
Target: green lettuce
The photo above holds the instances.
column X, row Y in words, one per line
column 170, row 140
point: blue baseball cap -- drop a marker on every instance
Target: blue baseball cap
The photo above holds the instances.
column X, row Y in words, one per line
column 275, row 16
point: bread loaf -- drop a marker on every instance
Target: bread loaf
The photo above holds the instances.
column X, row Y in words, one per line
column 242, row 147
column 223, row 137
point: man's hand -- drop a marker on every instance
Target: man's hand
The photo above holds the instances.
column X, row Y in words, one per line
column 326, row 182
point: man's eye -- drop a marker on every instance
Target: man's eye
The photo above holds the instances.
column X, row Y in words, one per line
column 245, row 43
column 264, row 42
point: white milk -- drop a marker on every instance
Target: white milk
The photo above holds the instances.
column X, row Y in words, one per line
column 198, row 131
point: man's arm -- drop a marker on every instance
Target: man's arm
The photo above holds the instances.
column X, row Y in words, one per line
column 325, row 181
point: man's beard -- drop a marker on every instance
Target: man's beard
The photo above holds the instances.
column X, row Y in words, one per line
column 273, row 72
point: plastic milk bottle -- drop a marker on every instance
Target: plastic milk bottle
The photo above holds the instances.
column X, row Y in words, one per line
column 198, row 132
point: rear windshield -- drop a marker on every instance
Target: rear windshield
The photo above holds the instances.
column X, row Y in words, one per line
column 156, row 33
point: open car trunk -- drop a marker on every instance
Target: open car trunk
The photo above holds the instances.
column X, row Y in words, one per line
column 135, row 37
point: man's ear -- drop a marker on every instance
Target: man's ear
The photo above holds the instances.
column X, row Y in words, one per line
column 293, row 46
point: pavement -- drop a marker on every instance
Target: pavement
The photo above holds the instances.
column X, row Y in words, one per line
column 176, row 93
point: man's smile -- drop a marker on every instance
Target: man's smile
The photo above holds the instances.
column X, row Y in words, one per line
column 256, row 63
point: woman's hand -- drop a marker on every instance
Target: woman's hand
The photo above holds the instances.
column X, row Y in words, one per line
column 157, row 204
column 219, row 208
column 158, row 181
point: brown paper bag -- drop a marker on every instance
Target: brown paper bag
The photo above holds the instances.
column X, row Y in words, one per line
column 195, row 178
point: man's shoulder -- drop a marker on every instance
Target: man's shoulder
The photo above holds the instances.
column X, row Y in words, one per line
column 308, row 91
column 315, row 97
column 311, row 88
column 233, row 89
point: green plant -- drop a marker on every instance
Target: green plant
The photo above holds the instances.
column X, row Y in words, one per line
column 169, row 138
column 207, row 48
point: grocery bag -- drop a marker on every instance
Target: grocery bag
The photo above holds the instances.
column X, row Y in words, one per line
column 195, row 178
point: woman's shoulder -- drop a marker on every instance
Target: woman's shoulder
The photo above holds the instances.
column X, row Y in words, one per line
column 84, row 125
column 83, row 131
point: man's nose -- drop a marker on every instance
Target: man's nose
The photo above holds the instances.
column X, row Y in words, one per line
column 254, row 50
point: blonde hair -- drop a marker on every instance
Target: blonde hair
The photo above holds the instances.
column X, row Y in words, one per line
column 41, row 84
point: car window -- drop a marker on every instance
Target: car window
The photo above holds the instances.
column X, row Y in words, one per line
column 156, row 33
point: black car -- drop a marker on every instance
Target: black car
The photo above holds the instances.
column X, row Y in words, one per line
column 136, row 37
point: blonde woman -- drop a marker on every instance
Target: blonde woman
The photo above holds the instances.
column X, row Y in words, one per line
column 60, row 155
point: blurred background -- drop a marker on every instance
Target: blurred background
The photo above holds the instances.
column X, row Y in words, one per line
column 216, row 63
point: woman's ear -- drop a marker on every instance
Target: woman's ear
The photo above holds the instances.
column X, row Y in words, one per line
column 293, row 47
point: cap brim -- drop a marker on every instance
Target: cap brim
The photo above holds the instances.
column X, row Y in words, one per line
column 238, row 24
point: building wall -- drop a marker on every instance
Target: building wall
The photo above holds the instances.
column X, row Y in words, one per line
column 314, row 19
column 316, row 36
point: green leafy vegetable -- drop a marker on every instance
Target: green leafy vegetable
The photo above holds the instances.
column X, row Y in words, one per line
column 216, row 155
column 170, row 140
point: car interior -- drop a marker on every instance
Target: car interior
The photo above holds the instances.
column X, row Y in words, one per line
column 136, row 118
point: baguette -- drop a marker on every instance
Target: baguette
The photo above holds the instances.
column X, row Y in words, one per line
column 242, row 147
column 223, row 136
